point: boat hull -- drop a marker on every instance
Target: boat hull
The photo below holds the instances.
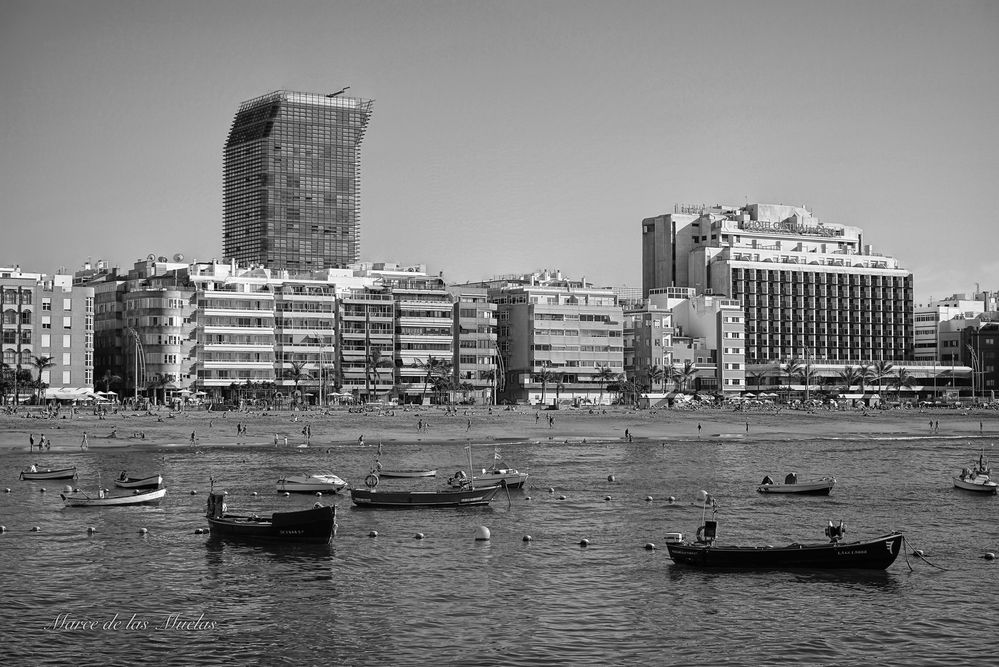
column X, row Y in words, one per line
column 311, row 484
column 63, row 473
column 875, row 554
column 411, row 499
column 512, row 480
column 407, row 473
column 82, row 499
column 820, row 487
column 313, row 526
column 980, row 485
column 139, row 482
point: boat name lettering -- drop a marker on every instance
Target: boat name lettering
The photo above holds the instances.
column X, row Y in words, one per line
column 292, row 532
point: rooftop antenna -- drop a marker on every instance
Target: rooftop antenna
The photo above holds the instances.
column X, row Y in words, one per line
column 339, row 92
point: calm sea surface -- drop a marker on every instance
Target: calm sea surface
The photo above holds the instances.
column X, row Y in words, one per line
column 173, row 597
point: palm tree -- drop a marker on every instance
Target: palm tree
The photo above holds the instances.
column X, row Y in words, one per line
column 544, row 376
column 296, row 374
column 377, row 360
column 757, row 377
column 6, row 381
column 864, row 376
column 881, row 371
column 792, row 368
column 42, row 364
column 850, row 376
column 158, row 382
column 672, row 374
column 490, row 376
column 656, row 374
column 432, row 367
column 603, row 375
column 902, row 378
column 686, row 374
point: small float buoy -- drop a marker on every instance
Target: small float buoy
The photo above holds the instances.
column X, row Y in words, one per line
column 319, row 494
column 91, row 530
column 918, row 552
column 561, row 497
column 610, row 478
column 584, row 542
column 671, row 500
column 41, row 490
column 286, row 494
column 6, row 490
column 3, row 529
column 373, row 533
column 989, row 556
column 649, row 546
column 193, row 492
column 551, row 489
column 36, row 529
column 607, row 498
column 254, row 493
column 143, row 531
column 648, row 499
column 225, row 493
column 527, row 498
column 418, row 536
column 199, row 531
column 482, row 533
column 67, row 489
column 528, row 538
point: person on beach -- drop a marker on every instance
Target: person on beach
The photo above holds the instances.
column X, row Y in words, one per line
column 468, row 426
column 86, row 442
column 360, row 441
column 31, row 442
column 193, row 437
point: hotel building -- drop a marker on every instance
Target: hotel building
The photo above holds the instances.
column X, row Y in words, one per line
column 291, row 197
column 809, row 289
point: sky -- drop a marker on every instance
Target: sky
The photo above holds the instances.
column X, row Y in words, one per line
column 512, row 136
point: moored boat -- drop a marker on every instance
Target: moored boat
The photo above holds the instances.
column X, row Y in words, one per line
column 310, row 526
column 400, row 473
column 101, row 499
column 499, row 472
column 466, row 497
column 874, row 554
column 815, row 487
column 977, row 478
column 36, row 472
column 311, row 483
column 151, row 482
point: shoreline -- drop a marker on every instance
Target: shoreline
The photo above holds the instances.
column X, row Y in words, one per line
column 478, row 424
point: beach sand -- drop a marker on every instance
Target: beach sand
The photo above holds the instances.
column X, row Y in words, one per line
column 476, row 425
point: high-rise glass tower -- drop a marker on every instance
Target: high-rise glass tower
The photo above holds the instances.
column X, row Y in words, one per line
column 292, row 181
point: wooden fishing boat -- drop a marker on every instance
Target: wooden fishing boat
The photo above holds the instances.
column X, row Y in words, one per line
column 311, row 526
column 126, row 482
column 311, row 483
column 100, row 499
column 38, row 473
column 977, row 478
column 407, row 473
column 816, row 487
column 465, row 497
column 875, row 554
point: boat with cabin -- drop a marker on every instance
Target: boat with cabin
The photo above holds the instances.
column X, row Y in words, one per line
column 977, row 478
column 791, row 485
column 310, row 526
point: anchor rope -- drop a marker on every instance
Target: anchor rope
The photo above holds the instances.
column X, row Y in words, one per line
column 917, row 554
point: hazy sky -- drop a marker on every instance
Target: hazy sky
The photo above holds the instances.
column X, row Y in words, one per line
column 512, row 136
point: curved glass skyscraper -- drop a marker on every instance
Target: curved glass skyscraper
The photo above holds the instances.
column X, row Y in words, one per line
column 292, row 181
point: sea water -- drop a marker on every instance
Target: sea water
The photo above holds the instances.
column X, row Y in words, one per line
column 172, row 596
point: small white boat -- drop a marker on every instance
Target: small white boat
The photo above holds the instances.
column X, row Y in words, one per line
column 100, row 499
column 126, row 482
column 815, row 487
column 37, row 473
column 498, row 474
column 306, row 483
column 977, row 479
column 406, row 473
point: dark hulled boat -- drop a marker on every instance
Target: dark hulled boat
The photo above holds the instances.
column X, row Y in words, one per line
column 876, row 554
column 465, row 497
column 311, row 526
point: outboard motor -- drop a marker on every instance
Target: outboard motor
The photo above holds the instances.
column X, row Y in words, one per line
column 707, row 533
column 835, row 533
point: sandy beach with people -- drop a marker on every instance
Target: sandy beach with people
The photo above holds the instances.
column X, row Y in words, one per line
column 479, row 424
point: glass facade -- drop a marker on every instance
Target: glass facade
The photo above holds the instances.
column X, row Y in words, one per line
column 292, row 181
